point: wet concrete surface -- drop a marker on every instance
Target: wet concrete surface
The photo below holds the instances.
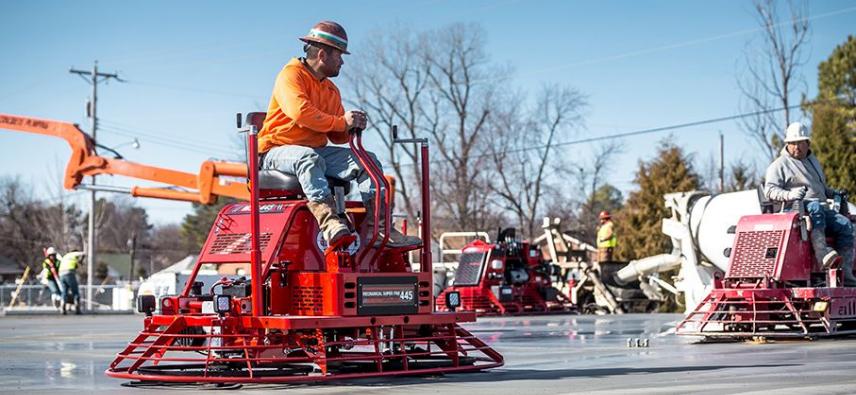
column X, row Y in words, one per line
column 544, row 355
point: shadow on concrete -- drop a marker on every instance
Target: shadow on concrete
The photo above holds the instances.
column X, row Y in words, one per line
column 503, row 374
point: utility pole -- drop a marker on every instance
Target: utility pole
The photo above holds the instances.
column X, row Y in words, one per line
column 94, row 77
column 132, row 246
column 721, row 162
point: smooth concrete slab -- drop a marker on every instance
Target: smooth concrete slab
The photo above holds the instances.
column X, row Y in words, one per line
column 544, row 355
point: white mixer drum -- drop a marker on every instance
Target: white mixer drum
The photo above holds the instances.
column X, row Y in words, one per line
column 711, row 216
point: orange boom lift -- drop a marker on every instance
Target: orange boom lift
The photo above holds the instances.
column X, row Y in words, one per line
column 203, row 188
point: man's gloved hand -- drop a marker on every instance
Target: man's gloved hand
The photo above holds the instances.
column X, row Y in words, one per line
column 797, row 193
column 355, row 119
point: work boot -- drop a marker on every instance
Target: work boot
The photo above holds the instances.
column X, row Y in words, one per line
column 332, row 227
column 826, row 257
column 847, row 267
column 77, row 308
column 396, row 238
column 64, row 308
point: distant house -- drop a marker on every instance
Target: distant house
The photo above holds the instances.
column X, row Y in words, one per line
column 10, row 270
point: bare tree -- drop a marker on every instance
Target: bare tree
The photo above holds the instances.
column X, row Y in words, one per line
column 389, row 81
column 522, row 146
column 121, row 220
column 772, row 73
column 166, row 246
column 604, row 154
column 437, row 84
column 28, row 225
column 62, row 222
column 591, row 191
column 463, row 84
column 21, row 239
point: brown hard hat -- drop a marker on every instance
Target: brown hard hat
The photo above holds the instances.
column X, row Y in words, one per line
column 604, row 215
column 328, row 33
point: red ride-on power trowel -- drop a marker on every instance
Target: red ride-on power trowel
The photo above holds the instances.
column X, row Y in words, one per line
column 308, row 312
column 508, row 277
column 774, row 288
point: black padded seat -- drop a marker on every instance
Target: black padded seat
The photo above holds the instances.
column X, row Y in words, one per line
column 275, row 179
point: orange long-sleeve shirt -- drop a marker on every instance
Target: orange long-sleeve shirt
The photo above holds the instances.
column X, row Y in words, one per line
column 303, row 111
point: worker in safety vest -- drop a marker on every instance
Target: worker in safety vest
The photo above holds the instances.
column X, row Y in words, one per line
column 68, row 279
column 796, row 175
column 304, row 115
column 50, row 275
column 606, row 238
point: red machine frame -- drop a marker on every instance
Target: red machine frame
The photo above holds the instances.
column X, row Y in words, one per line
column 773, row 288
column 316, row 315
column 481, row 280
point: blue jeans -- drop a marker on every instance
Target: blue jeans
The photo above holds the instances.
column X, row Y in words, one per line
column 69, row 287
column 833, row 224
column 312, row 166
column 53, row 286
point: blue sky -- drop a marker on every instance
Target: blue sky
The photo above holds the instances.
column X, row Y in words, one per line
column 192, row 65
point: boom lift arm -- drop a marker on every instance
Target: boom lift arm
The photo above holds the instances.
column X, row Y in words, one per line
column 203, row 188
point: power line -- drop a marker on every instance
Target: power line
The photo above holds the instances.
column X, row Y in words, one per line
column 671, row 127
column 192, row 144
column 152, row 134
column 631, row 133
column 157, row 141
column 190, row 89
column 690, row 42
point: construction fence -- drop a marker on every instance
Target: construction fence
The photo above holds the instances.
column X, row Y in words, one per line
column 105, row 298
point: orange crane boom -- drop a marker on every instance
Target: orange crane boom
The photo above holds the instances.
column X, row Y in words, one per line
column 203, row 188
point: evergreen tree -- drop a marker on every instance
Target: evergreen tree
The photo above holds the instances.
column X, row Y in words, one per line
column 834, row 117
column 638, row 223
column 742, row 178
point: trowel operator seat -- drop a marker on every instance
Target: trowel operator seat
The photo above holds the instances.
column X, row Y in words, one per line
column 275, row 183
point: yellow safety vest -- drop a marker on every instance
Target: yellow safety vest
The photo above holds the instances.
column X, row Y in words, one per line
column 69, row 262
column 602, row 234
column 47, row 265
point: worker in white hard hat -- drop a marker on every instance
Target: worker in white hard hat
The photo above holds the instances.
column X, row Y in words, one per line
column 796, row 175
column 50, row 274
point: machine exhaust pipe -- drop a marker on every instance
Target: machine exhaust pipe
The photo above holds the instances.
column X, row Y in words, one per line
column 652, row 264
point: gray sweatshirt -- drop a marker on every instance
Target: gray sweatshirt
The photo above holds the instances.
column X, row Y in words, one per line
column 787, row 172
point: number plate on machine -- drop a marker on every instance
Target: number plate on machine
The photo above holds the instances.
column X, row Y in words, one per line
column 387, row 295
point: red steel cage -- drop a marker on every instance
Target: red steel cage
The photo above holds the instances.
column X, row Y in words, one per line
column 308, row 312
column 773, row 288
